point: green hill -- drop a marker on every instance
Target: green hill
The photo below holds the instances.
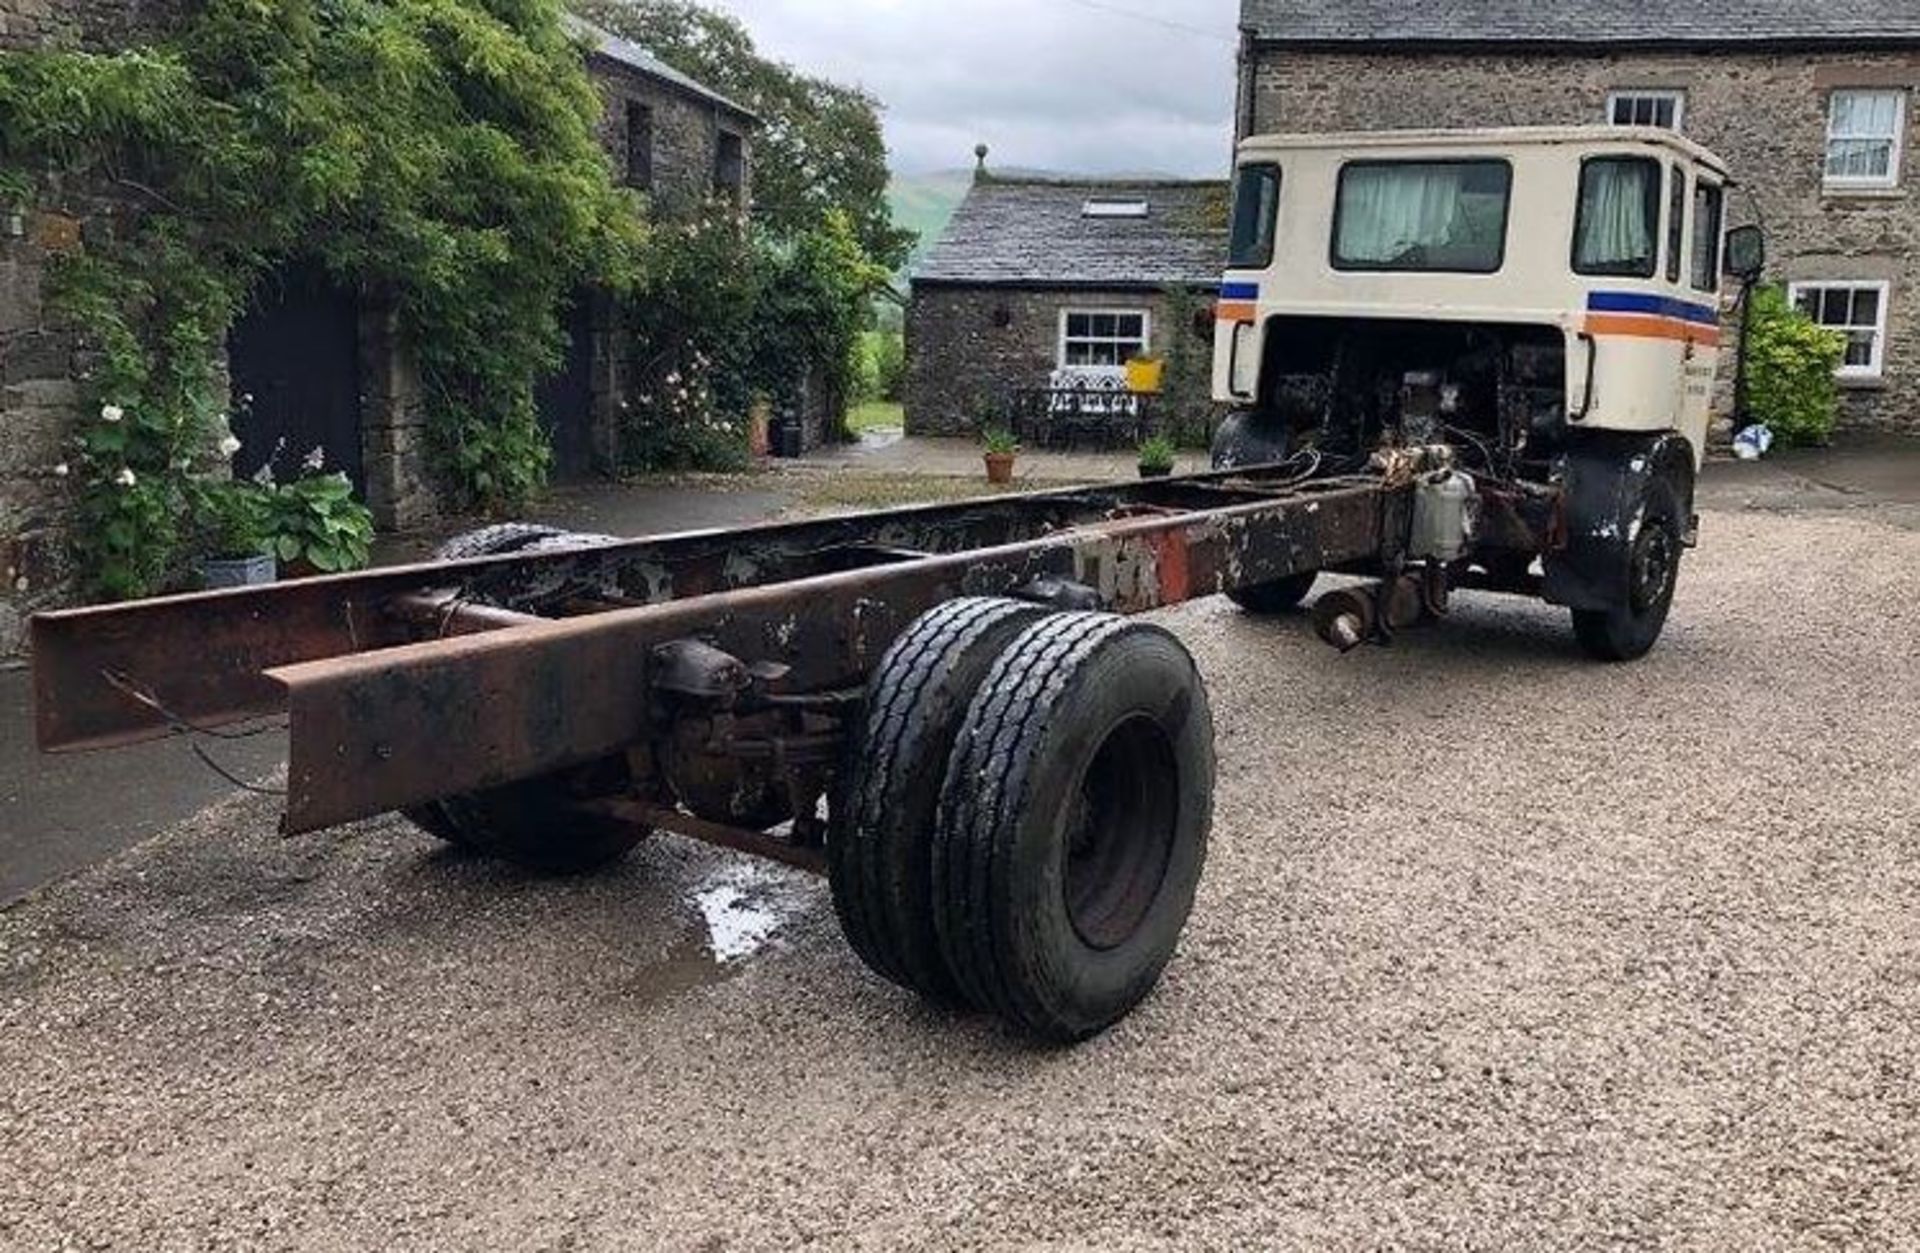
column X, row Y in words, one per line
column 923, row 202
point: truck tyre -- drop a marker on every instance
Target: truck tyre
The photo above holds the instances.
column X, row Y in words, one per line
column 1276, row 596
column 497, row 540
column 880, row 845
column 1626, row 632
column 1073, row 823
column 540, row 823
column 1249, row 438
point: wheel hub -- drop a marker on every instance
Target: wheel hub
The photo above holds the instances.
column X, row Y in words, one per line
column 1655, row 563
column 1120, row 833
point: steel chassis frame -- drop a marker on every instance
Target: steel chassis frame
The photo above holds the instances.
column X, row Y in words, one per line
column 408, row 684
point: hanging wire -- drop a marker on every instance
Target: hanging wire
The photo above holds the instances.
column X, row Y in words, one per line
column 186, row 726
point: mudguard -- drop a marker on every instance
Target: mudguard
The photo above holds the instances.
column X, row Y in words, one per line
column 1604, row 480
column 1249, row 437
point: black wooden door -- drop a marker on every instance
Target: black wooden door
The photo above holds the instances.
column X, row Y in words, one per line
column 295, row 360
column 565, row 400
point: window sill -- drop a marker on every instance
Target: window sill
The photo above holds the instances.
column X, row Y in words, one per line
column 1842, row 191
column 1861, row 382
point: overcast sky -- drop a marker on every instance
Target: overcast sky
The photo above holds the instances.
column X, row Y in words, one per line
column 1087, row 86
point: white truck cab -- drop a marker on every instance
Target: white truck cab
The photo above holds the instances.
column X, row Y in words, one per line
column 1543, row 303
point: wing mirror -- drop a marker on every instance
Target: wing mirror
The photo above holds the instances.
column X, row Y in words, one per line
column 1746, row 253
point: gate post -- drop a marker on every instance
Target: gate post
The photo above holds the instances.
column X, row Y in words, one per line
column 393, row 429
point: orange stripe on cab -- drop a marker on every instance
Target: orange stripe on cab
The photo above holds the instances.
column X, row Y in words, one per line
column 1237, row 311
column 1651, row 326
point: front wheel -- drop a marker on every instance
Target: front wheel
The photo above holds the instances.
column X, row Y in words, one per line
column 1275, row 595
column 1628, row 631
column 1073, row 823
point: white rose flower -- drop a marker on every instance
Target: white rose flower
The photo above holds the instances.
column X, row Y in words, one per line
column 62, row 470
column 229, row 446
column 125, row 478
column 112, row 413
column 316, row 460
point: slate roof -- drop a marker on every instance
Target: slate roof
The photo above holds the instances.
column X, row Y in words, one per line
column 634, row 57
column 1639, row 23
column 1033, row 233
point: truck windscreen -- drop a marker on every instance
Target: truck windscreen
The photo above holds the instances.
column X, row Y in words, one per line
column 1422, row 215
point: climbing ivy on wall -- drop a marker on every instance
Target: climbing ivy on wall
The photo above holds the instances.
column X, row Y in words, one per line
column 439, row 154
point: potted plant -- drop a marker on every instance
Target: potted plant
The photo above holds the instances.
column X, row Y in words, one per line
column 1156, row 457
column 234, row 536
column 317, row 526
column 1002, row 448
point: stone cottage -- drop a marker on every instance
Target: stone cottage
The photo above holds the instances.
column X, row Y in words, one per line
column 1811, row 103
column 681, row 144
column 1040, row 282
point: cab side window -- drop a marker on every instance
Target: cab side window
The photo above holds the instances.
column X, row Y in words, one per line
column 1256, row 212
column 1676, row 221
column 1706, row 237
column 1616, row 229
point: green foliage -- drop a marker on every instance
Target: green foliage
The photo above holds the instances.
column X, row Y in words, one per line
column 1791, row 362
column 729, row 314
column 811, row 306
column 999, row 441
column 230, row 518
column 316, row 521
column 1156, row 453
column 437, row 153
column 819, row 151
column 1186, row 381
column 692, row 358
column 497, row 455
column 880, row 366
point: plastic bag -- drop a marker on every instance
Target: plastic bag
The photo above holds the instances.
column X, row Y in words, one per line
column 1753, row 442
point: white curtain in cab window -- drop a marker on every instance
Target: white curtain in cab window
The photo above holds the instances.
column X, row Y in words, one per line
column 1617, row 232
column 1388, row 211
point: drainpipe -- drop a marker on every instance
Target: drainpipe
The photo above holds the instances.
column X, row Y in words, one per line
column 1742, row 419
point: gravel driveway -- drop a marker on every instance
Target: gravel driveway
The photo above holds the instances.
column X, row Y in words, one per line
column 1497, row 949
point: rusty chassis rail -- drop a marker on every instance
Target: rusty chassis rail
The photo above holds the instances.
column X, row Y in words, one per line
column 409, row 684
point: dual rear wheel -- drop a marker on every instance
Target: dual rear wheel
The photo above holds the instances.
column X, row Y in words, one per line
column 1025, row 812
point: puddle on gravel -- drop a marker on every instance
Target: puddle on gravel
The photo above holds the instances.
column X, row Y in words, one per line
column 744, row 904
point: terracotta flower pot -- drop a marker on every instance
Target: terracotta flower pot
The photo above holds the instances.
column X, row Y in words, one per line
column 1000, row 467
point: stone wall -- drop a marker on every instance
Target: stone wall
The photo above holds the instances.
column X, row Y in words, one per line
column 1766, row 114
column 42, row 366
column 969, row 347
column 97, row 24
column 38, row 398
column 686, row 133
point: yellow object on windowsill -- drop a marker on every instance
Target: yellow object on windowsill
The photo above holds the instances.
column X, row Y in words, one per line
column 1144, row 374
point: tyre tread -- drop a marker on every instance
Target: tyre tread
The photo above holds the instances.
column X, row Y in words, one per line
column 884, row 911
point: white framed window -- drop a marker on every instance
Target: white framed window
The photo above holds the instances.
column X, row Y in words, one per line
column 1864, row 133
column 1647, row 108
column 1859, row 310
column 1099, row 341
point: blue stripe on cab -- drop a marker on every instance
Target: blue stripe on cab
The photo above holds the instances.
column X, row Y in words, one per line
column 1239, row 291
column 1656, row 306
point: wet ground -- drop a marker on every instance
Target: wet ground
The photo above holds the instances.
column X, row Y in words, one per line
column 1496, row 949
